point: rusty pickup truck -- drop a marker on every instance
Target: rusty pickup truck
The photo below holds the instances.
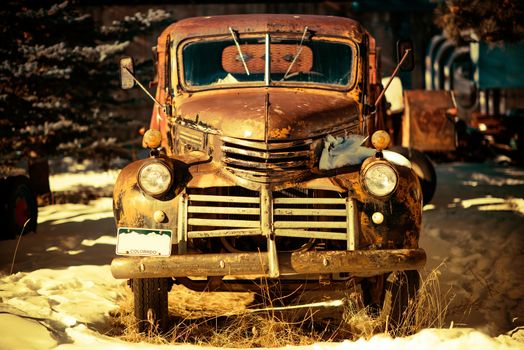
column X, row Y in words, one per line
column 268, row 160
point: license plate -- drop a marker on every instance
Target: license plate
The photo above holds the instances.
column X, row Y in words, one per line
column 143, row 242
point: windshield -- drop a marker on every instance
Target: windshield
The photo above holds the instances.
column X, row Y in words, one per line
column 242, row 62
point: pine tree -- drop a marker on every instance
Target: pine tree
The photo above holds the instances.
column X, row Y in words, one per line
column 59, row 79
column 491, row 21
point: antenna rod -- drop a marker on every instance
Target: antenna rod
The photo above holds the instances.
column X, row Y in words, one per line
column 392, row 76
column 144, row 89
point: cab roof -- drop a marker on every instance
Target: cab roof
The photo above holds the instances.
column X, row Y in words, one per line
column 262, row 23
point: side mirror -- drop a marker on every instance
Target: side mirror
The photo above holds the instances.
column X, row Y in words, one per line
column 127, row 69
column 408, row 64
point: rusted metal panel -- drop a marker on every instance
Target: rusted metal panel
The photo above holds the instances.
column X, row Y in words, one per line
column 357, row 262
column 312, row 112
column 262, row 23
column 224, row 199
column 289, row 217
column 223, row 223
column 276, row 166
column 223, row 210
column 352, row 224
column 292, row 200
column 224, row 233
column 365, row 262
column 248, row 122
column 403, row 209
column 311, row 212
column 267, row 139
column 310, row 234
column 264, row 155
column 310, row 224
column 261, row 145
column 182, row 224
column 426, row 125
column 133, row 208
column 266, row 225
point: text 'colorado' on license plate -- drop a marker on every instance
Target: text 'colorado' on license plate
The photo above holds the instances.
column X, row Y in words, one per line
column 143, row 242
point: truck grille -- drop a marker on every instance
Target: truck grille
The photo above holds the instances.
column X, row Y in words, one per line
column 267, row 162
column 236, row 212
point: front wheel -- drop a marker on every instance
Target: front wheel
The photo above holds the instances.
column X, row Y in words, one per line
column 400, row 292
column 150, row 303
column 392, row 298
column 424, row 169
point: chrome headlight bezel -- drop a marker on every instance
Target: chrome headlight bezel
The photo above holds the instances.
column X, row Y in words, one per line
column 159, row 166
column 379, row 178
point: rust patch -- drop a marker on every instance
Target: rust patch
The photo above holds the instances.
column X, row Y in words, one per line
column 279, row 133
column 261, row 23
column 425, row 123
column 133, row 208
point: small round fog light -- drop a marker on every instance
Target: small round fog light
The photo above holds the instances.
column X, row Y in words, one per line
column 159, row 216
column 377, row 218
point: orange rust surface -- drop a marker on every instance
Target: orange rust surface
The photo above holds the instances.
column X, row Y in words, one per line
column 403, row 210
column 288, row 113
column 272, row 114
column 263, row 23
column 363, row 262
column 425, row 124
column 333, row 108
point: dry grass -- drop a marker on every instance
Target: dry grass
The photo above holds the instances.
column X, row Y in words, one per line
column 223, row 319
column 428, row 309
column 124, row 324
column 244, row 331
column 360, row 321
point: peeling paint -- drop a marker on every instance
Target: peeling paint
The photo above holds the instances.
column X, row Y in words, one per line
column 280, row 133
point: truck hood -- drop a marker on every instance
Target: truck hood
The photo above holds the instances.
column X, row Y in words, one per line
column 271, row 113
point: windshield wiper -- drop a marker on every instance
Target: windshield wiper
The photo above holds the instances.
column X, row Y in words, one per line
column 233, row 34
column 299, row 50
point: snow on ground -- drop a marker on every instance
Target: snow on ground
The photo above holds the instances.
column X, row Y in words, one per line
column 97, row 179
column 61, row 291
column 67, row 235
column 475, row 225
column 68, row 174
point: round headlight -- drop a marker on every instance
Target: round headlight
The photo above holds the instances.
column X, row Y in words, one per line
column 380, row 179
column 154, row 178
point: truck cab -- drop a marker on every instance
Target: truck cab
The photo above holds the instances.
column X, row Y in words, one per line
column 268, row 160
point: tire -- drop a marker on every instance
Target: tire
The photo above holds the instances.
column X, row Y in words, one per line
column 150, row 304
column 424, row 169
column 20, row 207
column 400, row 291
column 391, row 296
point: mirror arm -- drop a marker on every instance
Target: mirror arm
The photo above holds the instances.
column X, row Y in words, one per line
column 167, row 68
column 379, row 98
column 144, row 89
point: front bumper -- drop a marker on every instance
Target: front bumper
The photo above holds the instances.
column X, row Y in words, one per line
column 356, row 262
